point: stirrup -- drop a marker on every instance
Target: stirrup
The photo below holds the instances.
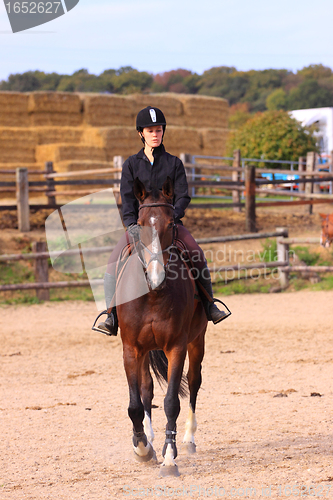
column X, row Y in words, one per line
column 224, row 305
column 96, row 329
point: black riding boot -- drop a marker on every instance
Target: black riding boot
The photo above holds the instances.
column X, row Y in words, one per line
column 110, row 325
column 213, row 313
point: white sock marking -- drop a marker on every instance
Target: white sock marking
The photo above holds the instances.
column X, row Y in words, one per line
column 190, row 427
column 148, row 428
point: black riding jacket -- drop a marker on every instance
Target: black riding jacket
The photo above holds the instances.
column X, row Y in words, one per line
column 153, row 176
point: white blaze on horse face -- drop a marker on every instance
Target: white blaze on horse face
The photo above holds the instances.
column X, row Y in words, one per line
column 190, row 427
column 155, row 269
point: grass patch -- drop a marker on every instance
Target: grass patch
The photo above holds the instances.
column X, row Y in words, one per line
column 15, row 272
column 269, row 252
column 244, row 286
column 305, row 255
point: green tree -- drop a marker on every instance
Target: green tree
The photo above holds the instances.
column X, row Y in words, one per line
column 309, row 94
column 276, row 100
column 315, row 71
column 272, row 135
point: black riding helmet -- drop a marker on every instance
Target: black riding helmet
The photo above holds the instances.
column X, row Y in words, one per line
column 149, row 117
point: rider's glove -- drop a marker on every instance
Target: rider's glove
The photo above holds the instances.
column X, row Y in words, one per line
column 134, row 231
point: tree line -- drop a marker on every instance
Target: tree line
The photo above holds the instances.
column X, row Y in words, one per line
column 247, row 91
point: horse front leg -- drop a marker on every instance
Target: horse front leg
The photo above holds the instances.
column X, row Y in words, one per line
column 147, row 394
column 196, row 351
column 176, row 360
column 143, row 450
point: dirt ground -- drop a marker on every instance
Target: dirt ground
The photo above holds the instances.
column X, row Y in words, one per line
column 64, row 428
column 264, row 412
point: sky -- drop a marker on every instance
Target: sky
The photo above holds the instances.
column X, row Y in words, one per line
column 160, row 35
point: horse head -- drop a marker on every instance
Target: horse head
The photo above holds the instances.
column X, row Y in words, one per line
column 157, row 229
column 326, row 230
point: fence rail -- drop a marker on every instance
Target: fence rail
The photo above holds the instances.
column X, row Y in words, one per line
column 243, row 185
column 42, row 285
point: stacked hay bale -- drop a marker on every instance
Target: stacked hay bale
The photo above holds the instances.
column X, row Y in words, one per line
column 104, row 110
column 14, row 109
column 85, row 131
column 55, row 108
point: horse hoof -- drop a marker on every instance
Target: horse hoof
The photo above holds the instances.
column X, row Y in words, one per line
column 145, row 458
column 190, row 448
column 169, row 471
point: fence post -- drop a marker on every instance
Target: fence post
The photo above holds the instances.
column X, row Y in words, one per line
column 41, row 270
column 117, row 163
column 250, row 198
column 301, row 168
column 283, row 255
column 310, row 167
column 22, row 199
column 187, row 158
column 50, row 184
column 236, row 177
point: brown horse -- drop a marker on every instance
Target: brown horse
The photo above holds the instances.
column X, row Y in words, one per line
column 326, row 230
column 159, row 328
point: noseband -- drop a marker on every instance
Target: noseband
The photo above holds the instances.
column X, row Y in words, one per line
column 155, row 255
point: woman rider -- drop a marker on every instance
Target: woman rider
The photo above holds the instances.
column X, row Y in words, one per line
column 152, row 165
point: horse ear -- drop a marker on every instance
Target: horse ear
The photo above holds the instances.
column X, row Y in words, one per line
column 167, row 189
column 139, row 190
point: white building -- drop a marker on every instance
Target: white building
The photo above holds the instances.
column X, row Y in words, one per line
column 323, row 119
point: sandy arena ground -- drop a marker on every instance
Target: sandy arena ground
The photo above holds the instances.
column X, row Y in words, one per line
column 64, row 428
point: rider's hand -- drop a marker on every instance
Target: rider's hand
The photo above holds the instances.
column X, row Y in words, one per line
column 134, row 231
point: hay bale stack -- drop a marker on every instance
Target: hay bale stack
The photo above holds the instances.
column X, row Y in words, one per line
column 202, row 111
column 17, row 145
column 107, row 110
column 53, row 135
column 183, row 140
column 55, row 109
column 79, row 165
column 91, row 136
column 67, row 152
column 123, row 141
column 214, row 141
column 170, row 104
column 14, row 109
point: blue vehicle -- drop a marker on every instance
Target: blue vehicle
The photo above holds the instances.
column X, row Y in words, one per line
column 282, row 177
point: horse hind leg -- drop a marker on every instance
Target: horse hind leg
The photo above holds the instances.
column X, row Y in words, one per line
column 195, row 353
column 172, row 408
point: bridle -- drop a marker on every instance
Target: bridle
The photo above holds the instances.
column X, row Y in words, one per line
column 156, row 255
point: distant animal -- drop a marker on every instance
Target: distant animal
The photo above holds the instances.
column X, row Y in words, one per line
column 326, row 230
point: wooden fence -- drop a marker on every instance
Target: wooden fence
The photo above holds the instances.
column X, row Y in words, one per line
column 283, row 264
column 244, row 179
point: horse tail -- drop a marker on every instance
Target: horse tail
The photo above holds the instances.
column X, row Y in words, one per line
column 159, row 364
